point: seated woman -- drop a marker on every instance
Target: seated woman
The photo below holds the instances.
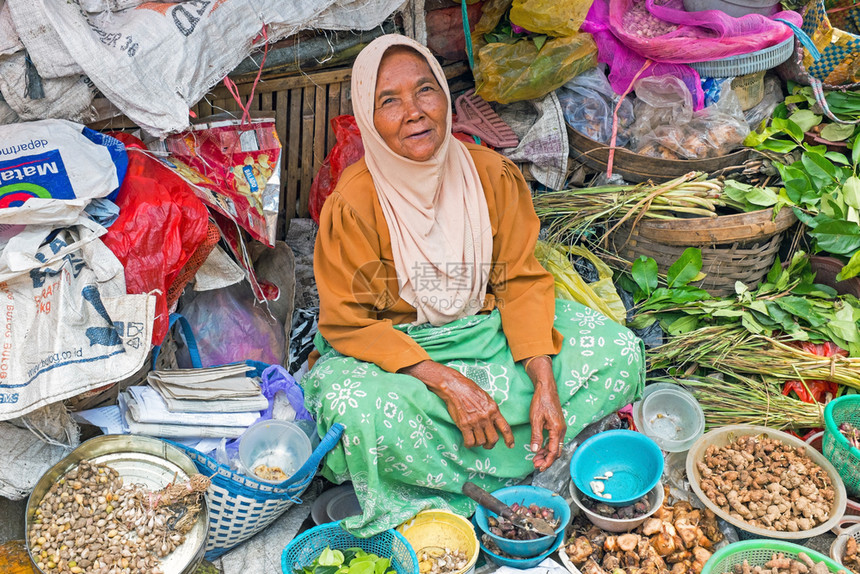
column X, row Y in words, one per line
column 436, row 334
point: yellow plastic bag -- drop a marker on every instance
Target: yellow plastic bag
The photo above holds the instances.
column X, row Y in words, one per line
column 550, row 17
column 600, row 295
column 510, row 72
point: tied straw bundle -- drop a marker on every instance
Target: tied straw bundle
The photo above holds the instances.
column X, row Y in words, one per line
column 574, row 213
column 740, row 400
column 731, row 349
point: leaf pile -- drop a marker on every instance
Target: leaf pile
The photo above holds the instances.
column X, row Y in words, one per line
column 822, row 186
column 788, row 305
column 349, row 561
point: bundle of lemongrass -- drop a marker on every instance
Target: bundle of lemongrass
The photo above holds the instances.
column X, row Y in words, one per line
column 574, row 213
column 731, row 349
column 741, row 400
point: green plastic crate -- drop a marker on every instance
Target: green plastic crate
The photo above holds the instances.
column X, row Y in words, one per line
column 757, row 552
column 834, row 445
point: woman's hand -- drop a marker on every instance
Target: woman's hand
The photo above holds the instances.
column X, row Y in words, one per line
column 474, row 412
column 545, row 413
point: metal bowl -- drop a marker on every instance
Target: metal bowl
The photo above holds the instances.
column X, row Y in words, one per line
column 138, row 460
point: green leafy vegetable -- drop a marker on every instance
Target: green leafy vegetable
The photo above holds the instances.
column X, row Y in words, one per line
column 837, row 132
column 349, row 561
column 686, row 268
column 644, row 272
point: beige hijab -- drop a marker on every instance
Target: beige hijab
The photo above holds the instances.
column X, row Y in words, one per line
column 436, row 210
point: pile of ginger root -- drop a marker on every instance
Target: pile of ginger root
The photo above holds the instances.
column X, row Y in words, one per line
column 674, row 540
column 851, row 555
column 781, row 564
column 767, row 483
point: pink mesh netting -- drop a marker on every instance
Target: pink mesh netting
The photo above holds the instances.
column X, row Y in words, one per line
column 628, row 33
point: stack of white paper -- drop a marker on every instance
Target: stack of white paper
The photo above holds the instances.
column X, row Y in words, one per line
column 216, row 402
column 224, row 389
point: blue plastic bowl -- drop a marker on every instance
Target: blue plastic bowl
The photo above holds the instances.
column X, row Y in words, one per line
column 635, row 461
column 525, row 495
column 524, row 563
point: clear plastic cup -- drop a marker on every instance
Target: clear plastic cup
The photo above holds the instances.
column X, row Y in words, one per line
column 672, row 418
column 275, row 444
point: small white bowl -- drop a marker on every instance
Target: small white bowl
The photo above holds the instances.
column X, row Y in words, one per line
column 655, row 497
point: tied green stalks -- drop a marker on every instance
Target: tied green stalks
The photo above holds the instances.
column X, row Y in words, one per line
column 743, row 400
column 733, row 350
column 574, row 213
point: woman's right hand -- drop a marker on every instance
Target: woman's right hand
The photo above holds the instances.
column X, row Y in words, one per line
column 474, row 412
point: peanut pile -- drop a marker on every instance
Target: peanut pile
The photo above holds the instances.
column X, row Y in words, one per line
column 90, row 523
column 767, row 484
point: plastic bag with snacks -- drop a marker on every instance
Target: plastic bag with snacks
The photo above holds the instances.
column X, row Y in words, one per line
column 233, row 167
column 588, row 103
column 666, row 126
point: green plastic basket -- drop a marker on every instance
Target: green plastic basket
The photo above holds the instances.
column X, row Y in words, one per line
column 834, row 445
column 757, row 552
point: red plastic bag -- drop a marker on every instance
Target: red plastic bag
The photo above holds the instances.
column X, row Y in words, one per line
column 819, row 391
column 345, row 152
column 161, row 223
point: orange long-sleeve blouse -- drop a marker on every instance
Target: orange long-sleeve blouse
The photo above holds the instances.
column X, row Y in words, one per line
column 357, row 282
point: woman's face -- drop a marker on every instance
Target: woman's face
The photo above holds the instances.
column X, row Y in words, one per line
column 410, row 108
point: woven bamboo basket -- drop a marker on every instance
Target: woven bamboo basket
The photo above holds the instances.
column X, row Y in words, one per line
column 739, row 247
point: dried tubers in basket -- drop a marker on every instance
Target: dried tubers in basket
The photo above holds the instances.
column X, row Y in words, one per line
column 767, row 484
column 851, row 556
column 780, row 564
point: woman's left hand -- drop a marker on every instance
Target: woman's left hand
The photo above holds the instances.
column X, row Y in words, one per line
column 545, row 413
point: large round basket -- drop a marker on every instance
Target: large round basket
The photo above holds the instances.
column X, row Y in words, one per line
column 307, row 547
column 640, row 168
column 739, row 247
column 757, row 553
column 725, row 435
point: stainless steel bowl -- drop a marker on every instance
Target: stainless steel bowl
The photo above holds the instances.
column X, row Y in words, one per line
column 138, row 460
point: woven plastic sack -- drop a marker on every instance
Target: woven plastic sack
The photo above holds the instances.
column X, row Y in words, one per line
column 347, row 150
column 569, row 285
column 839, row 64
column 844, row 14
column 518, row 71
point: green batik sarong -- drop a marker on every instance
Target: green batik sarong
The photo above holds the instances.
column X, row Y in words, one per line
column 401, row 449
